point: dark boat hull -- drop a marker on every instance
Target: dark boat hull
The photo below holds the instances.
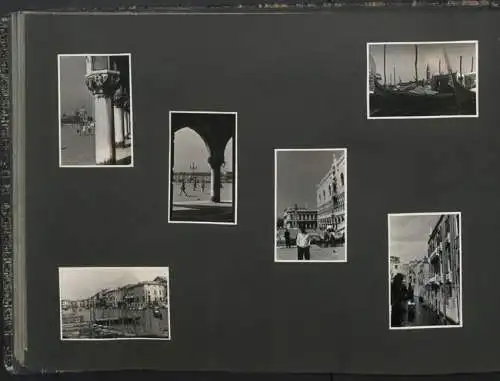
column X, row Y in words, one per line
column 393, row 103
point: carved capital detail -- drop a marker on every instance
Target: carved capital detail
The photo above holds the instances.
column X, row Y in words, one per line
column 103, row 82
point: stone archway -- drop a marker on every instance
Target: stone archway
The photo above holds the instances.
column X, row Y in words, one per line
column 216, row 130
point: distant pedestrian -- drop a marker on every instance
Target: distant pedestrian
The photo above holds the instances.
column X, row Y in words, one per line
column 287, row 238
column 332, row 240
column 202, row 184
column 303, row 245
column 410, row 292
column 326, row 238
column 183, row 187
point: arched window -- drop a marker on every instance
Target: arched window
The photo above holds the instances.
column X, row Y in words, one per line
column 342, row 179
column 324, row 194
column 330, row 189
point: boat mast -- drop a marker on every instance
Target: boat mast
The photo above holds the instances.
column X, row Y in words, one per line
column 461, row 75
column 472, row 65
column 439, row 70
column 416, row 64
column 385, row 74
column 394, row 70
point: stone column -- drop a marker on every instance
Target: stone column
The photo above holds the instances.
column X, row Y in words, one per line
column 126, row 114
column 102, row 84
column 119, row 118
column 127, row 124
column 215, row 162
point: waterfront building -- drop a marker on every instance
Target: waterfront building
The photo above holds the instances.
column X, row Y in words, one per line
column 295, row 217
column 331, row 197
column 443, row 284
column 144, row 293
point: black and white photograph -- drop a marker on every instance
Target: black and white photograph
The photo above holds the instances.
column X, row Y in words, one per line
column 425, row 270
column 310, row 205
column 95, row 110
column 114, row 303
column 203, row 167
column 422, row 80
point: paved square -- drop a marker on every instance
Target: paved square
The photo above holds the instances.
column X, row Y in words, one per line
column 226, row 193
column 196, row 206
column 317, row 253
column 80, row 149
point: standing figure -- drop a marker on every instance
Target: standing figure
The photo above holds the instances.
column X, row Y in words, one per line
column 326, row 238
column 303, row 244
column 287, row 238
column 398, row 300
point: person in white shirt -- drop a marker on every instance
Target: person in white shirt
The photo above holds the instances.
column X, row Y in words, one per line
column 303, row 242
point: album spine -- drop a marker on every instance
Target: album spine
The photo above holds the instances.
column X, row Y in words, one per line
column 12, row 116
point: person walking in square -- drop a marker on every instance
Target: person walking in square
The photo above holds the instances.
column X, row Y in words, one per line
column 183, row 187
column 303, row 244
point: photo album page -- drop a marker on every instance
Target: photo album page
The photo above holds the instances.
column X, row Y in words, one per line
column 257, row 191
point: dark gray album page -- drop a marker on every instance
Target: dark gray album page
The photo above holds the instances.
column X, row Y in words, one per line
column 294, row 81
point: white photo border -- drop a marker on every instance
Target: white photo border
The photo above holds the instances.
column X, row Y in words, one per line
column 59, row 100
column 235, row 166
column 169, row 338
column 276, row 150
column 368, row 44
column 389, row 215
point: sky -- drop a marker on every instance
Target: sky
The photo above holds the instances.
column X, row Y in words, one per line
column 74, row 92
column 409, row 235
column 83, row 282
column 189, row 147
column 298, row 173
column 403, row 57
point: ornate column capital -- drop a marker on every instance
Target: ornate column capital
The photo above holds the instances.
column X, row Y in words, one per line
column 103, row 82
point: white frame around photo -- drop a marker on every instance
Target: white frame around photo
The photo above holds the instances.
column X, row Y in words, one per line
column 235, row 168
column 169, row 338
column 275, row 214
column 460, row 325
column 367, row 79
column 131, row 165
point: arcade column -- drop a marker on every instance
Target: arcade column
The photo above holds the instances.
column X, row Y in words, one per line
column 119, row 125
column 126, row 114
column 215, row 161
column 103, row 84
